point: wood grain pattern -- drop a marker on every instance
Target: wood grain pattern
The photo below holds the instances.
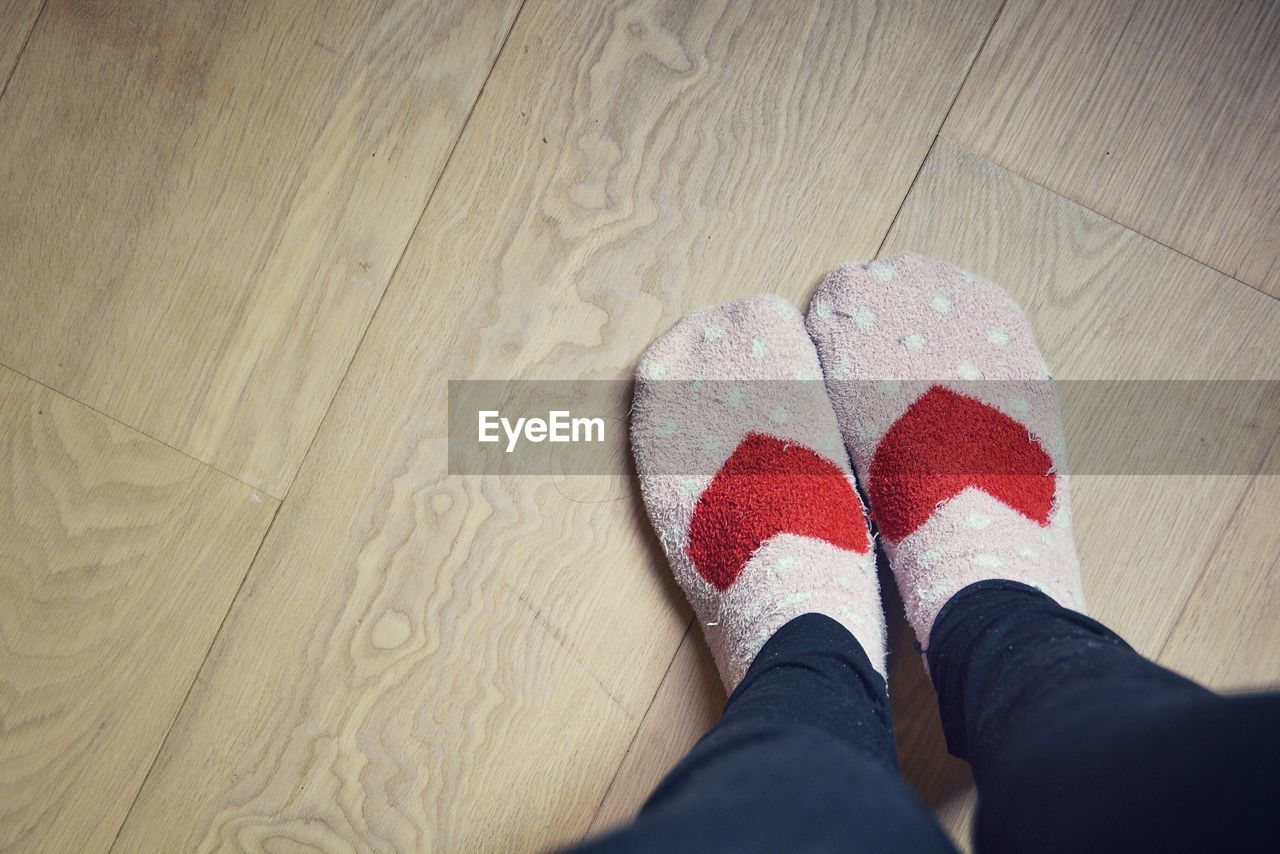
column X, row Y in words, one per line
column 1228, row 637
column 1161, row 114
column 460, row 663
column 203, row 203
column 119, row 558
column 1091, row 289
column 687, row 704
column 17, row 17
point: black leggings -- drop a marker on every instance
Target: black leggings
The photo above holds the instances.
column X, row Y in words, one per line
column 1077, row 744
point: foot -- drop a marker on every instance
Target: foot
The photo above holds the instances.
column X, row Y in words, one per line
column 952, row 420
column 748, row 484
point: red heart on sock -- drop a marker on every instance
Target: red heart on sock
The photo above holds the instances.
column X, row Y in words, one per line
column 768, row 487
column 945, row 443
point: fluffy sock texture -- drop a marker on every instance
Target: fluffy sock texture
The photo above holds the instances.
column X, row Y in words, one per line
column 952, row 420
column 748, row 484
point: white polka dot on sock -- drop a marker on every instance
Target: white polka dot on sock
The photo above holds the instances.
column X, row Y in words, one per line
column 759, row 349
column 969, row 371
column 821, row 309
column 713, row 332
column 655, row 371
column 914, row 341
column 1046, row 538
column 882, row 270
column 794, row 600
column 668, row 428
column 940, row 304
column 842, row 369
column 780, row 414
column 748, row 611
column 998, row 337
column 978, row 520
column 1028, row 553
column 935, row 592
column 1019, row 406
column 987, row 561
column 733, row 397
column 710, row 443
column 889, row 387
column 929, row 557
column 865, row 318
column 784, row 563
column 803, row 374
column 866, row 431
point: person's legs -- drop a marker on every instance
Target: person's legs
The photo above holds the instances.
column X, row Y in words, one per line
column 1080, row 744
column 803, row 760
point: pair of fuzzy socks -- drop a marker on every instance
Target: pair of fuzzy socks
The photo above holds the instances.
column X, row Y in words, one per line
column 747, row 416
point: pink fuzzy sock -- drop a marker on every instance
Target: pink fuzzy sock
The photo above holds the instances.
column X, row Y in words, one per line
column 952, row 419
column 747, row 482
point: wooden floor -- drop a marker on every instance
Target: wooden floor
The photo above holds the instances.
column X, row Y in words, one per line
column 244, row 245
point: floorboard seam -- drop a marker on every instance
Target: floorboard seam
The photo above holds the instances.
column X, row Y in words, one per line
column 281, row 499
column 204, row 659
column 141, row 433
column 639, row 726
column 17, row 58
column 995, row 19
column 404, row 250
column 1208, row 562
column 1111, row 220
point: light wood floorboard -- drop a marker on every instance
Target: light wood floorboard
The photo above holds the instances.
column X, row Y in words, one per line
column 457, row 662
column 687, row 704
column 1228, row 636
column 1163, row 115
column 203, row 202
column 118, row 558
